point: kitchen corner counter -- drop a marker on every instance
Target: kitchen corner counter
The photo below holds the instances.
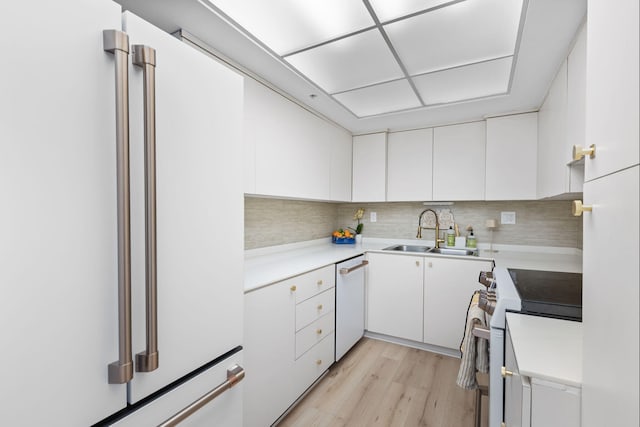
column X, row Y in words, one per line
column 547, row 348
column 264, row 266
column 568, row 260
column 268, row 265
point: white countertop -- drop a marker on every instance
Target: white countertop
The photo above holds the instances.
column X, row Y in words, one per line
column 264, row 266
column 546, row 348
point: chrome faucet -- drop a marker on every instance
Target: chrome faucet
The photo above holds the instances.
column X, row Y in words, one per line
column 420, row 227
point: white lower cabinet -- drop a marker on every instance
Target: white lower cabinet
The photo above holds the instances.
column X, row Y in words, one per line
column 610, row 295
column 313, row 363
column 423, row 299
column 517, row 391
column 289, row 342
column 535, row 400
column 394, row 295
column 448, row 286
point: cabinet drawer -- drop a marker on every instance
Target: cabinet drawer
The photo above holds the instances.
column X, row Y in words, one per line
column 313, row 363
column 314, row 308
column 310, row 335
column 226, row 409
column 313, row 282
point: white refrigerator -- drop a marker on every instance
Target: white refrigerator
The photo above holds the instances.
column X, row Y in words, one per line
column 83, row 237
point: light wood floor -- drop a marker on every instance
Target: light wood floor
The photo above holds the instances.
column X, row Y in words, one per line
column 383, row 384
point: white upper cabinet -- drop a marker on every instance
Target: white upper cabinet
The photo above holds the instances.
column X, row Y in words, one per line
column 291, row 152
column 562, row 124
column 251, row 121
column 369, row 167
column 553, row 151
column 459, row 162
column 512, row 143
column 577, row 92
column 409, row 164
column 612, row 87
column 341, row 162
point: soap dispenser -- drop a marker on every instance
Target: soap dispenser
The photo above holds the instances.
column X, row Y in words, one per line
column 451, row 236
column 471, row 240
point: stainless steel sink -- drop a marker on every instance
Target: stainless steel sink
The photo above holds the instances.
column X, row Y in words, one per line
column 453, row 251
column 430, row 250
column 408, row 248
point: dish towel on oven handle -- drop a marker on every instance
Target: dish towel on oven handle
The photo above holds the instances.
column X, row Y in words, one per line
column 475, row 351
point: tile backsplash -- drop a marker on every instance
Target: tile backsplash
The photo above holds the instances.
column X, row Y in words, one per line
column 271, row 222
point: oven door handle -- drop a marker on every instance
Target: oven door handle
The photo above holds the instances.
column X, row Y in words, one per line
column 481, row 332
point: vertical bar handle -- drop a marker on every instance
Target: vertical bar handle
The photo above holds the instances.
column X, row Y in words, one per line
column 145, row 57
column 117, row 43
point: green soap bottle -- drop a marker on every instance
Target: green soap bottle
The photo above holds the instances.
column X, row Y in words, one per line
column 471, row 241
column 451, row 237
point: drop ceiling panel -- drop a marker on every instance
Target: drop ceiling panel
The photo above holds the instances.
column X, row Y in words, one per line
column 465, row 32
column 545, row 39
column 467, row 82
column 288, row 25
column 360, row 60
column 387, row 10
column 379, row 99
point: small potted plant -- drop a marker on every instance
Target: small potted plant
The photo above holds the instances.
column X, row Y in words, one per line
column 358, row 230
column 358, row 217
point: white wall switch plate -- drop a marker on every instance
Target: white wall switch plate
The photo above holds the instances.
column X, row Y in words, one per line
column 373, row 217
column 507, row 217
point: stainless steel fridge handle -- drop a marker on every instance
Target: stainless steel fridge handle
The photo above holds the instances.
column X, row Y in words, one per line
column 145, row 57
column 234, row 376
column 355, row 267
column 117, row 43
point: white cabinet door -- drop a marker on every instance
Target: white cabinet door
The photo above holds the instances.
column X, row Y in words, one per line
column 554, row 404
column 252, row 117
column 409, row 163
column 269, row 348
column 553, row 150
column 459, row 162
column 612, row 86
column 517, row 391
column 341, row 144
column 576, row 106
column 58, row 222
column 512, row 144
column 198, row 170
column 448, row 286
column 295, row 153
column 369, row 168
column 394, row 295
column 610, row 301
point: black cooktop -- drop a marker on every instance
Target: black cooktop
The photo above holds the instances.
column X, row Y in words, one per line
column 549, row 293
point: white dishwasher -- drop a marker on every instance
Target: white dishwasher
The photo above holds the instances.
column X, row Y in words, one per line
column 349, row 304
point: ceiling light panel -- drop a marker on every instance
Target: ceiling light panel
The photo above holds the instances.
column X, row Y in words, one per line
column 387, row 10
column 352, row 62
column 462, row 33
column 379, row 99
column 466, row 82
column 289, row 25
